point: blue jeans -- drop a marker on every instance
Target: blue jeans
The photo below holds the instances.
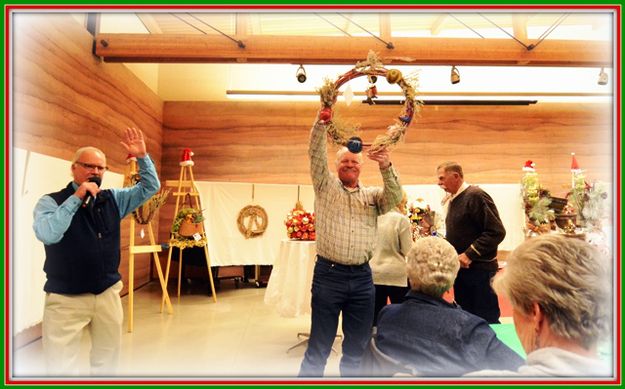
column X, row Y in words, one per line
column 339, row 288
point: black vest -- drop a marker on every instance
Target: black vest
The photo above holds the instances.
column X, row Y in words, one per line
column 86, row 259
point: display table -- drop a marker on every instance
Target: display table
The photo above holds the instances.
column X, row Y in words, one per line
column 290, row 282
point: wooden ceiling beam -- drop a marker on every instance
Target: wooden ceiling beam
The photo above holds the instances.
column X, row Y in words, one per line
column 198, row 48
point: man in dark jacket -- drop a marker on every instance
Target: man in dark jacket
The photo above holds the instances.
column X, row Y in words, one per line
column 80, row 229
column 475, row 230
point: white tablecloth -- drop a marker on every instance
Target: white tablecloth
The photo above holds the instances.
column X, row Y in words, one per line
column 291, row 278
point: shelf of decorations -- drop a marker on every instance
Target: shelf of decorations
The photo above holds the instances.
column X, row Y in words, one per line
column 300, row 224
column 580, row 214
column 423, row 221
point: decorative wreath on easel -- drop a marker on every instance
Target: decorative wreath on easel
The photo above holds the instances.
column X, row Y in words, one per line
column 342, row 134
column 146, row 212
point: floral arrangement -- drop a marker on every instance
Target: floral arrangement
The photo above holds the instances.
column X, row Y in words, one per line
column 191, row 215
column 423, row 221
column 588, row 201
column 536, row 202
column 300, row 225
column 340, row 132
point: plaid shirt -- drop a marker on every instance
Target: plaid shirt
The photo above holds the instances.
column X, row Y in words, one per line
column 346, row 218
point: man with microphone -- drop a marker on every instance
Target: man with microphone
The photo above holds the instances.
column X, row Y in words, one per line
column 80, row 229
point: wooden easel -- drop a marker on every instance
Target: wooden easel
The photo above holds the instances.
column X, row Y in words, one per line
column 142, row 249
column 186, row 186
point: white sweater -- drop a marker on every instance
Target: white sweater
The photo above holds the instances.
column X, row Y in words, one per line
column 554, row 362
column 388, row 265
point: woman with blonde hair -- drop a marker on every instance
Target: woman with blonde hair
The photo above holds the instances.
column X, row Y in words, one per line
column 560, row 290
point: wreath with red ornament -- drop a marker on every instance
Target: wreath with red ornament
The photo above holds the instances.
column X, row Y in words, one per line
column 343, row 134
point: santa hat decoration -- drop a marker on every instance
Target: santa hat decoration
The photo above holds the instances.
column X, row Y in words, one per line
column 185, row 159
column 529, row 166
column 574, row 165
column 131, row 157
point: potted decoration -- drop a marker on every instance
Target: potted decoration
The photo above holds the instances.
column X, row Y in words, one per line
column 188, row 222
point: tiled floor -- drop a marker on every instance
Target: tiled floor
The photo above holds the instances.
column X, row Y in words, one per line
column 239, row 336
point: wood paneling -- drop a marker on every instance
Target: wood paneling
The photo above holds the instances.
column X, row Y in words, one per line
column 65, row 98
column 267, row 142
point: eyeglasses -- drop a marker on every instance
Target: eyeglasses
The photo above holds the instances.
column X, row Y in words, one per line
column 89, row 166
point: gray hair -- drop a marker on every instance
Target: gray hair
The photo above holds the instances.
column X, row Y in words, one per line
column 432, row 265
column 568, row 278
column 342, row 151
column 451, row 166
column 81, row 150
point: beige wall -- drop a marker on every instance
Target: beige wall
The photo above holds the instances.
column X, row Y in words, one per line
column 266, row 142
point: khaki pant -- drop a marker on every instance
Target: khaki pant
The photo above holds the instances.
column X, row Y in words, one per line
column 66, row 318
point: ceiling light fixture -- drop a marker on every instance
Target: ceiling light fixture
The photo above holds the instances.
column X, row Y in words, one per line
column 301, row 74
column 455, row 75
column 603, row 77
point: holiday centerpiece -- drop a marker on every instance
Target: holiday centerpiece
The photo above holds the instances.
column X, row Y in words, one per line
column 300, row 224
column 587, row 200
column 423, row 221
column 343, row 134
column 536, row 202
column 578, row 214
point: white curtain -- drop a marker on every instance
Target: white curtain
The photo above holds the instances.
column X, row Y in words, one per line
column 222, row 202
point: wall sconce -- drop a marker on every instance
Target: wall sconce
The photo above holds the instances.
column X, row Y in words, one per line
column 301, row 74
column 455, row 75
column 603, row 77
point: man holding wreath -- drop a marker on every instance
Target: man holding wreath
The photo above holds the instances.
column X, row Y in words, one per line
column 346, row 223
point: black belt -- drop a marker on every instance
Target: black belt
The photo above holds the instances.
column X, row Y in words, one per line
column 340, row 265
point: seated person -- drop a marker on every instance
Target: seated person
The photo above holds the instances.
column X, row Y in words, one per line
column 429, row 336
column 560, row 291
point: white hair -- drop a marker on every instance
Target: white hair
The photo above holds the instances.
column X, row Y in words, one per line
column 342, row 151
column 432, row 265
column 82, row 150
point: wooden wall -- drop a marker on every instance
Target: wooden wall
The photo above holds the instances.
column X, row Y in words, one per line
column 267, row 141
column 65, row 98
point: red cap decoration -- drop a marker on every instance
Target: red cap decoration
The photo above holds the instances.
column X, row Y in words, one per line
column 185, row 159
column 131, row 157
column 574, row 165
column 529, row 166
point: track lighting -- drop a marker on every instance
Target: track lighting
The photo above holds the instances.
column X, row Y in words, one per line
column 455, row 75
column 603, row 77
column 301, row 74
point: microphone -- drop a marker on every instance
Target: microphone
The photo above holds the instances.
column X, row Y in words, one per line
column 88, row 200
